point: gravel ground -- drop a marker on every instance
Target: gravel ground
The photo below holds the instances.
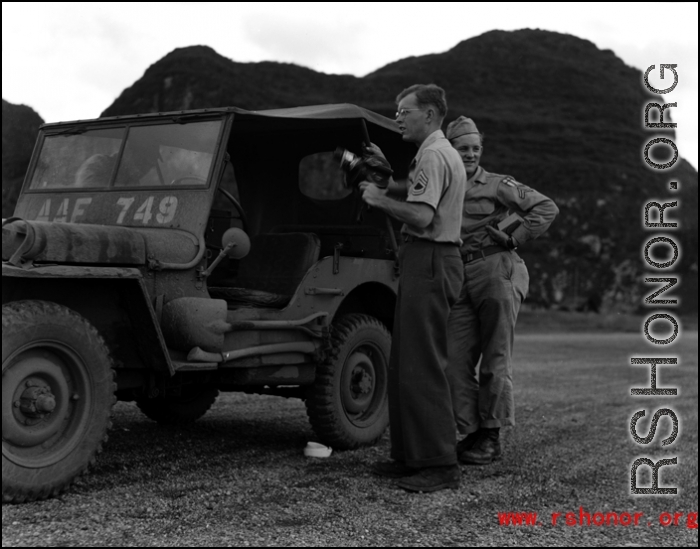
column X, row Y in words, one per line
column 238, row 476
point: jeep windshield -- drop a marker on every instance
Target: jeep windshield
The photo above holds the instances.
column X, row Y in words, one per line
column 127, row 156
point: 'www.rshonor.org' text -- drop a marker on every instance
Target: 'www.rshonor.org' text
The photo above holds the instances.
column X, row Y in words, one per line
column 584, row 518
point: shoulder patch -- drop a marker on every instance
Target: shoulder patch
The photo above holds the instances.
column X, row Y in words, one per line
column 522, row 189
column 419, row 184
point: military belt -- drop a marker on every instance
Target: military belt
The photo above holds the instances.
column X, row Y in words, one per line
column 483, row 253
column 410, row 238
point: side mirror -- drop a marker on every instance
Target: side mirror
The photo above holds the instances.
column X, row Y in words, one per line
column 236, row 245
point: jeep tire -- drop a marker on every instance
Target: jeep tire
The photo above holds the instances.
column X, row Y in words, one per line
column 348, row 404
column 193, row 402
column 57, row 395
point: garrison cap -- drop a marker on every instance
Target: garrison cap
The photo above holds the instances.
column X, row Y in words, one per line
column 459, row 127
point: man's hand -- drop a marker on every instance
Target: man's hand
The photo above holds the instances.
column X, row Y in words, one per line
column 498, row 236
column 372, row 194
column 373, row 150
column 416, row 214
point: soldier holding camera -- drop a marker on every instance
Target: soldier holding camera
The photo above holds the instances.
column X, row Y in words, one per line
column 482, row 322
column 423, row 440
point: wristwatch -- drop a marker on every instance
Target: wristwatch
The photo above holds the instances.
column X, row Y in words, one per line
column 511, row 243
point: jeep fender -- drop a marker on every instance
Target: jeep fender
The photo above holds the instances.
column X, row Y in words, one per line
column 113, row 299
column 350, row 285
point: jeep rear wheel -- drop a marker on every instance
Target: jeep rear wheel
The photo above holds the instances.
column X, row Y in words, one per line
column 193, row 402
column 347, row 405
column 57, row 395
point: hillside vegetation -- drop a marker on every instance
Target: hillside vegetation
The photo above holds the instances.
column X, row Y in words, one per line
column 558, row 113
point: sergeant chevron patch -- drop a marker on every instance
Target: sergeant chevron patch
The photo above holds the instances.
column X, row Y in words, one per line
column 523, row 190
column 421, row 182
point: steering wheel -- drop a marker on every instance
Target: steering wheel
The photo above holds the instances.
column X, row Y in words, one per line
column 179, row 180
column 237, row 205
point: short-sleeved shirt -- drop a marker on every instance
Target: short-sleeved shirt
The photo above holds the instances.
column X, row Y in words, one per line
column 436, row 177
column 490, row 198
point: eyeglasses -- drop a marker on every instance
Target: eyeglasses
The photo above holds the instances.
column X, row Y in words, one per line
column 404, row 112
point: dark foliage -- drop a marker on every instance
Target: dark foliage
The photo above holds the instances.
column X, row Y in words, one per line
column 19, row 127
column 560, row 115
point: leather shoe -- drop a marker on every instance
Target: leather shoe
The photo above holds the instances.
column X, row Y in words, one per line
column 393, row 469
column 486, row 450
column 432, row 479
column 468, row 442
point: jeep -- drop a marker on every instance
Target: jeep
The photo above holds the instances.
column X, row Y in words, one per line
column 164, row 258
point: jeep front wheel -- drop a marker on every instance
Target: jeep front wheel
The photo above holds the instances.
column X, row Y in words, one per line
column 57, row 395
column 347, row 405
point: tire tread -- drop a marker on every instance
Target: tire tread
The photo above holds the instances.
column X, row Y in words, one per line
column 21, row 314
column 321, row 403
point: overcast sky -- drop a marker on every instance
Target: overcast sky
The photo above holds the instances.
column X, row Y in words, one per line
column 71, row 60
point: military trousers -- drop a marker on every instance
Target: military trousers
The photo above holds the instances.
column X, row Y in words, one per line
column 420, row 411
column 482, row 326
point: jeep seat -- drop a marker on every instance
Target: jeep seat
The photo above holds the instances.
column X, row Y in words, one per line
column 270, row 274
column 353, row 240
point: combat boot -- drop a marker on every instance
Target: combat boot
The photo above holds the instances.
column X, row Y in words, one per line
column 468, row 442
column 485, row 450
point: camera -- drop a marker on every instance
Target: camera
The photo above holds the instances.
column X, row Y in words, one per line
column 509, row 224
column 363, row 168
